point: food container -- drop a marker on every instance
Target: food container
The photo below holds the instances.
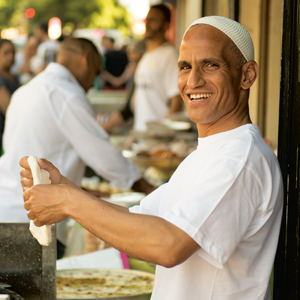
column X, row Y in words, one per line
column 159, row 162
column 126, row 199
column 77, row 272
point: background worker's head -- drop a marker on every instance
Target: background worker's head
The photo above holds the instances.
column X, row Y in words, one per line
column 216, row 71
column 7, row 54
column 82, row 58
column 157, row 21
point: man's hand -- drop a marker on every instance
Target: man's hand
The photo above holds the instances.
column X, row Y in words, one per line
column 26, row 175
column 48, row 204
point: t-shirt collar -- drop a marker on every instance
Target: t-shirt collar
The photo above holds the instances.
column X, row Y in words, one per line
column 226, row 134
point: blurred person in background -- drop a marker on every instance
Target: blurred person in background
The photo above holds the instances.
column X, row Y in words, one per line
column 107, row 44
column 51, row 117
column 47, row 48
column 8, row 82
column 135, row 52
column 115, row 62
column 22, row 66
column 156, row 94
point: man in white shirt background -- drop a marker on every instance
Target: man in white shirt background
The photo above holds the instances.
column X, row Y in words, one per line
column 156, row 94
column 51, row 117
column 213, row 228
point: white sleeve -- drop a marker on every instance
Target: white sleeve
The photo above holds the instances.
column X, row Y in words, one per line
column 218, row 209
column 171, row 74
column 151, row 203
column 92, row 144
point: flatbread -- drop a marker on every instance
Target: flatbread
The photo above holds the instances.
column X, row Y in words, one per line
column 97, row 283
column 40, row 176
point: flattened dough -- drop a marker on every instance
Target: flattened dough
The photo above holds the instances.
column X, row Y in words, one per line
column 40, row 176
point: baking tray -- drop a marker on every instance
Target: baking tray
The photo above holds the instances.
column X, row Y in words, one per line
column 146, row 296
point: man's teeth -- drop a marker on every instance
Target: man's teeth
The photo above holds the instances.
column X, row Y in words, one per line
column 199, row 97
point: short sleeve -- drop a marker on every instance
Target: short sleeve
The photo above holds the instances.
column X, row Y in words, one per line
column 218, row 209
column 151, row 203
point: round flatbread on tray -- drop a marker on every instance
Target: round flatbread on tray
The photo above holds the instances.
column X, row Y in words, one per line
column 102, row 284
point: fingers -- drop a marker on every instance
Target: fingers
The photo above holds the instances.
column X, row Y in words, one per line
column 26, row 179
column 34, row 210
column 24, row 162
column 45, row 164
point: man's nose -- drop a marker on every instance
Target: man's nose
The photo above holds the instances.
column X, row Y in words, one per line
column 196, row 78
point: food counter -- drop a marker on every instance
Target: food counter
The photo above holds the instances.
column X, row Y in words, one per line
column 27, row 269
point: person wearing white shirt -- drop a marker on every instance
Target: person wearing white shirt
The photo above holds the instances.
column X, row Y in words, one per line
column 213, row 228
column 51, row 117
column 156, row 94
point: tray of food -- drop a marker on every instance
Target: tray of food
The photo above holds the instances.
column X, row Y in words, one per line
column 160, row 159
column 101, row 284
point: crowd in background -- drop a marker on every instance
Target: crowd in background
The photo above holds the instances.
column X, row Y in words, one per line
column 19, row 65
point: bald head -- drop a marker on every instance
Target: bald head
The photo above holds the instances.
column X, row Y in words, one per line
column 73, row 47
column 81, row 57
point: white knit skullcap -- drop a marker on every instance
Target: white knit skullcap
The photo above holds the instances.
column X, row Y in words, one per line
column 234, row 30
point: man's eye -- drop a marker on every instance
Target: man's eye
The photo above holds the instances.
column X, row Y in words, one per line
column 184, row 67
column 212, row 65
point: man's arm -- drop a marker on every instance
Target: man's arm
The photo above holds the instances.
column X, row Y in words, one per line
column 143, row 237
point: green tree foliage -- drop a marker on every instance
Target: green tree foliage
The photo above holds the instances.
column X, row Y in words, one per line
column 7, row 9
column 79, row 13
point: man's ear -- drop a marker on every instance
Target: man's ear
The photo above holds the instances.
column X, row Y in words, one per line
column 85, row 59
column 167, row 26
column 250, row 73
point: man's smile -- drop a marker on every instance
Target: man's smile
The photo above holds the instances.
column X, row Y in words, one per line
column 199, row 97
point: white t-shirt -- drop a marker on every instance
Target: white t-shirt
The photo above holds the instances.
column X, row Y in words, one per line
column 50, row 117
column 155, row 80
column 228, row 196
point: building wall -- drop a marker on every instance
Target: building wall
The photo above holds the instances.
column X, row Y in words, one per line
column 273, row 71
column 249, row 17
column 188, row 12
column 264, row 95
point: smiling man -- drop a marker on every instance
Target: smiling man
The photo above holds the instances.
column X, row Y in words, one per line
column 213, row 228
